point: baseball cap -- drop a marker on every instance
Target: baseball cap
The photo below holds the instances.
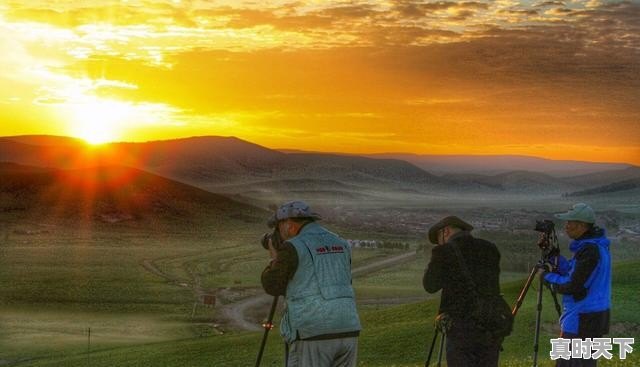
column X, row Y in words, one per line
column 292, row 209
column 580, row 212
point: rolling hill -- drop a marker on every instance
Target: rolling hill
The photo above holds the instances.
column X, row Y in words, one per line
column 234, row 166
column 516, row 182
column 109, row 194
column 598, row 179
column 616, row 187
column 497, row 164
column 208, row 162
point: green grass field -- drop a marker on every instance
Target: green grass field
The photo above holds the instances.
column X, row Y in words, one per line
column 58, row 282
column 393, row 336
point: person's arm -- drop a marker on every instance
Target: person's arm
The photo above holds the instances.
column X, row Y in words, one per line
column 586, row 261
column 280, row 270
column 433, row 275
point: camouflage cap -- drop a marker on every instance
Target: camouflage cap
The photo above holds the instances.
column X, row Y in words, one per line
column 580, row 212
column 292, row 209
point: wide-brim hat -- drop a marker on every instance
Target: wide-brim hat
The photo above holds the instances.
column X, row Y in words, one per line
column 451, row 220
column 580, row 212
column 292, row 209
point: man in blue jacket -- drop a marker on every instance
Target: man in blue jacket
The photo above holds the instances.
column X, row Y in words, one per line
column 312, row 269
column 584, row 281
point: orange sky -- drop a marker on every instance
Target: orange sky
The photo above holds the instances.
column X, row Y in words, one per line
column 556, row 79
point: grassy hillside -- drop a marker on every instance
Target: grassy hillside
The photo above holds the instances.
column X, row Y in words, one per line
column 394, row 336
column 108, row 194
column 58, row 280
column 73, row 245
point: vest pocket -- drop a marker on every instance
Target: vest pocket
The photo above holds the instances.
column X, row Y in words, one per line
column 337, row 291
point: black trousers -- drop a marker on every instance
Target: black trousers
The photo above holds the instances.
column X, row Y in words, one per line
column 467, row 346
column 575, row 362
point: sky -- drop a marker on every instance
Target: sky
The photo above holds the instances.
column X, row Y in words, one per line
column 553, row 79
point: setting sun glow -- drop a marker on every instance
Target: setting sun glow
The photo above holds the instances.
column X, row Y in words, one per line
column 99, row 121
column 426, row 77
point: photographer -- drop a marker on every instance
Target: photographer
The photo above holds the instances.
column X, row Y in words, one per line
column 456, row 262
column 311, row 267
column 584, row 281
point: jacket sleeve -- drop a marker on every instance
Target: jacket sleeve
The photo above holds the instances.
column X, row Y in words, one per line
column 433, row 275
column 280, row 270
column 586, row 261
column 561, row 263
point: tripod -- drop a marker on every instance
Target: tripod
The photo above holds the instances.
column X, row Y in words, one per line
column 548, row 245
column 267, row 326
column 439, row 329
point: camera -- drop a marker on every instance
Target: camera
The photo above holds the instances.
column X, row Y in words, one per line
column 274, row 237
column 548, row 241
column 545, row 226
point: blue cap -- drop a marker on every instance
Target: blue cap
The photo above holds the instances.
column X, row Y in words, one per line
column 292, row 209
column 580, row 212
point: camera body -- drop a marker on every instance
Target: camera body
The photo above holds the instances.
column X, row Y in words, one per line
column 545, row 226
column 548, row 241
column 274, row 237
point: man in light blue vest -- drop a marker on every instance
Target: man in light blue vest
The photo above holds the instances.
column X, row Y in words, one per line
column 584, row 281
column 311, row 267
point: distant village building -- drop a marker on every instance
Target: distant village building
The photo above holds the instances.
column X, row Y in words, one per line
column 363, row 243
column 373, row 244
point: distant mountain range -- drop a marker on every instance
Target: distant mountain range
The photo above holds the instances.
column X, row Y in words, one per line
column 497, row 164
column 235, row 167
column 212, row 161
column 517, row 181
column 616, row 187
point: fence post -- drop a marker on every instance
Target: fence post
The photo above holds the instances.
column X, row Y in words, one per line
column 89, row 346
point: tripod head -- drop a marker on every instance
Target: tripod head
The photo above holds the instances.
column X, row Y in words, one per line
column 548, row 241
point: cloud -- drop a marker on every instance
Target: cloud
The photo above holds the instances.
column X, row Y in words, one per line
column 499, row 67
column 526, row 12
column 180, row 27
column 550, row 3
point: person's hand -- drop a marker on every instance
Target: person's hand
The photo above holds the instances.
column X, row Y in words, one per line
column 546, row 266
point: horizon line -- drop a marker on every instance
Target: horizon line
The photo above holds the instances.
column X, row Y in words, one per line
column 292, row 151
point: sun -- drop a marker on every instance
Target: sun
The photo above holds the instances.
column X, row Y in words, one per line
column 100, row 121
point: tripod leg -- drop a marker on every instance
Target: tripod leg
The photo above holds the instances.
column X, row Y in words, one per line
column 525, row 289
column 433, row 344
column 554, row 295
column 538, row 323
column 267, row 327
column 440, row 349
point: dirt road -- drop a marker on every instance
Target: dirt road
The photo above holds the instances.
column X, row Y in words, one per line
column 238, row 314
column 244, row 314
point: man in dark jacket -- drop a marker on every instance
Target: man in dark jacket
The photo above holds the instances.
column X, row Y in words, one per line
column 467, row 344
column 584, row 281
column 312, row 269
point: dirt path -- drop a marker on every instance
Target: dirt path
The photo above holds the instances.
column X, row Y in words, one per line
column 236, row 314
column 239, row 313
column 244, row 314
